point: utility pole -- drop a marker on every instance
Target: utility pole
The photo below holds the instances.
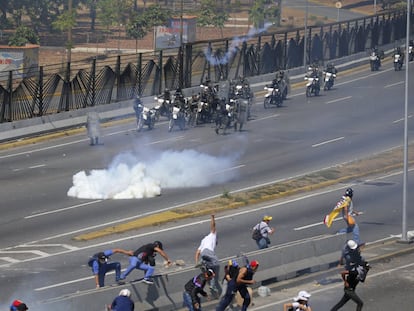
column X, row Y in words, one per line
column 69, row 43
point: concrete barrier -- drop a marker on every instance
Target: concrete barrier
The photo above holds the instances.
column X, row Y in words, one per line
column 277, row 263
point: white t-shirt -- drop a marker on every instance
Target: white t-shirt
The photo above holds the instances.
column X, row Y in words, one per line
column 208, row 242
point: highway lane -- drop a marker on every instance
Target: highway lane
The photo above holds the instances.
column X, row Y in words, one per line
column 306, row 134
column 388, row 284
column 63, row 271
column 316, row 9
column 295, row 139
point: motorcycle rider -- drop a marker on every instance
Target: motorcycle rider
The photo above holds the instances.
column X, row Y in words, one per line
column 399, row 56
column 410, row 50
column 331, row 68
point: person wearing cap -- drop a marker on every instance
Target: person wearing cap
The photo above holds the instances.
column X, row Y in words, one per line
column 195, row 287
column 245, row 278
column 144, row 259
column 351, row 254
column 265, row 231
column 206, row 251
column 100, row 265
column 348, row 215
column 301, row 302
column 18, row 305
column 123, row 301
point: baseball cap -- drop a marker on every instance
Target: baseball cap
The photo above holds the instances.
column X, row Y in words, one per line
column 210, row 273
column 352, row 244
column 303, row 295
column 267, row 218
column 254, row 264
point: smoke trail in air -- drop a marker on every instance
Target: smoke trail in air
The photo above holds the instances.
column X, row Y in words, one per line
column 235, row 43
column 128, row 177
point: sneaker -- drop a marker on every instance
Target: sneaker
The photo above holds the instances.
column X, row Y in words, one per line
column 121, row 282
column 148, row 281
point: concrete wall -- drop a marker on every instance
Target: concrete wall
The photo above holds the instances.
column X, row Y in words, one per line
column 276, row 264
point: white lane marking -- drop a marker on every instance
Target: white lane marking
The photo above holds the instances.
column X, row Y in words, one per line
column 41, row 149
column 331, row 286
column 394, row 84
column 338, row 100
column 312, row 225
column 62, row 209
column 65, row 283
column 402, row 119
column 266, row 117
column 37, row 166
column 351, row 81
column 79, row 141
column 33, row 251
column 10, row 259
column 327, row 141
column 67, row 246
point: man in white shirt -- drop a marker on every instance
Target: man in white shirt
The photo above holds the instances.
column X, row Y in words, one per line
column 208, row 256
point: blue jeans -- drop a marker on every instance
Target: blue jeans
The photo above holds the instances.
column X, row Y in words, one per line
column 135, row 263
column 105, row 268
column 187, row 302
column 262, row 243
column 246, row 297
column 228, row 296
column 355, row 232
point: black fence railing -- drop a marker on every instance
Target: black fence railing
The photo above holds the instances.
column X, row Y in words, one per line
column 56, row 88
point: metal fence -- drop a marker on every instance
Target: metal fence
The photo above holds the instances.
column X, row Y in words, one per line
column 103, row 80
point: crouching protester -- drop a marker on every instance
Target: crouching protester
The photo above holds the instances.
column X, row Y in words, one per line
column 18, row 305
column 195, row 287
column 301, row 302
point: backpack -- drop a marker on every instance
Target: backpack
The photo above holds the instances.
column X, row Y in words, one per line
column 362, row 270
column 257, row 233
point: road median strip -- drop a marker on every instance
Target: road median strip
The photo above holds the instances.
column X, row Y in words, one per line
column 381, row 163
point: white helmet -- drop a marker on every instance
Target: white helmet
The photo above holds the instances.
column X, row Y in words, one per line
column 125, row 292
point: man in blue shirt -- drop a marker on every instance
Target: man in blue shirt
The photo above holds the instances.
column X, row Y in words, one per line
column 100, row 266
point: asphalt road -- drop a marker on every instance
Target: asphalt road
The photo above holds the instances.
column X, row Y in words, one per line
column 362, row 115
column 316, row 9
column 388, row 283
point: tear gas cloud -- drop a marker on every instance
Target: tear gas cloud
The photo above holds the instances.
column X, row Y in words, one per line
column 128, row 177
column 224, row 59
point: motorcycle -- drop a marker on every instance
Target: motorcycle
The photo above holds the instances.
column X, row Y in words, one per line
column 273, row 96
column 329, row 79
column 398, row 61
column 375, row 61
column 146, row 116
column 163, row 106
column 410, row 53
column 177, row 118
column 313, row 86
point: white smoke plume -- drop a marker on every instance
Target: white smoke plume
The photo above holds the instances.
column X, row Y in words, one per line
column 130, row 178
column 235, row 43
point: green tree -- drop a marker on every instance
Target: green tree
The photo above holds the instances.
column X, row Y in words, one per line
column 141, row 24
column 24, row 35
column 212, row 14
column 264, row 11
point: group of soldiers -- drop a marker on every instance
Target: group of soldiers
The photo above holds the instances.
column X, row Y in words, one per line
column 227, row 104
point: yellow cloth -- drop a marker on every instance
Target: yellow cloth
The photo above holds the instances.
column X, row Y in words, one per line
column 345, row 201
